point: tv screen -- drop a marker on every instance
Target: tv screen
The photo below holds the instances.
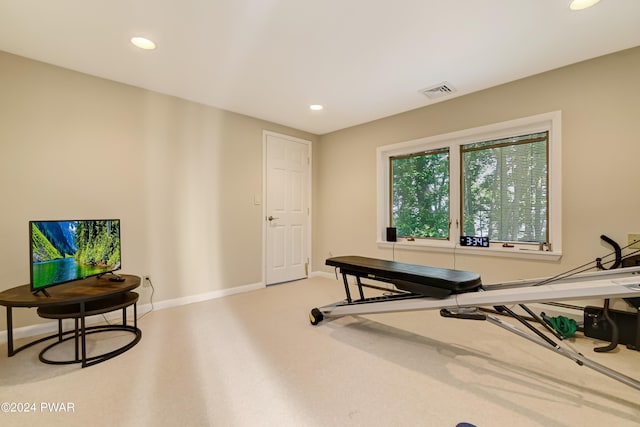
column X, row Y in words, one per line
column 63, row 251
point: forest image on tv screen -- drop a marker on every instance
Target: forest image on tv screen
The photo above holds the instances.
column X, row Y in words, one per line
column 62, row 251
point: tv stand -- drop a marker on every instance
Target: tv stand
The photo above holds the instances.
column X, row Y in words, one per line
column 99, row 276
column 76, row 300
column 75, row 311
column 44, row 292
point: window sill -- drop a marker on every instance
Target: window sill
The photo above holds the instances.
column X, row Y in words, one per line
column 495, row 251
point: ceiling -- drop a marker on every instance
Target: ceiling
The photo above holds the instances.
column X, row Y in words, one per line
column 361, row 59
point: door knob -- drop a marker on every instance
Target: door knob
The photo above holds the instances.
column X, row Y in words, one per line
column 271, row 218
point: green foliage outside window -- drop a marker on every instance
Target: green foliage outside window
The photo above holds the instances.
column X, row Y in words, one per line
column 420, row 194
column 504, row 192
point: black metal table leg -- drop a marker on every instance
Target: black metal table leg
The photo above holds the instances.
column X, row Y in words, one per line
column 9, row 332
column 75, row 339
column 83, row 337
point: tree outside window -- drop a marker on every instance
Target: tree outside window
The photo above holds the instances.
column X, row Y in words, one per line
column 420, row 194
column 504, row 189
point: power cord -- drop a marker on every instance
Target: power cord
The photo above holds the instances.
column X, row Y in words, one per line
column 153, row 290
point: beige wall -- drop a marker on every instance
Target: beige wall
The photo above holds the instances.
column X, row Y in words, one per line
column 181, row 176
column 601, row 151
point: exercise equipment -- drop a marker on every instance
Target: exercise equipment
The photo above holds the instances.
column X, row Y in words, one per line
column 461, row 294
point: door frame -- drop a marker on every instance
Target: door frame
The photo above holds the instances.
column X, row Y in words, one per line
column 265, row 134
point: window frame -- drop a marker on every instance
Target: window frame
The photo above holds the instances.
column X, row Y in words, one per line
column 550, row 122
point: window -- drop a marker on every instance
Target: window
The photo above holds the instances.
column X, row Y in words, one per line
column 420, row 194
column 501, row 181
column 504, row 188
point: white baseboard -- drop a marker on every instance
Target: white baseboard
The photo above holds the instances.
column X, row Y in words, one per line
column 322, row 274
column 176, row 302
column 52, row 327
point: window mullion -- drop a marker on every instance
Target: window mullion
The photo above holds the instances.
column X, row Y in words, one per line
column 455, row 194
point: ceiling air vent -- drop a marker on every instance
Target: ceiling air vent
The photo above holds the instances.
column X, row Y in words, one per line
column 438, row 91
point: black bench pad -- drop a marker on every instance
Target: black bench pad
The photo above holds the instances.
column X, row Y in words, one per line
column 419, row 279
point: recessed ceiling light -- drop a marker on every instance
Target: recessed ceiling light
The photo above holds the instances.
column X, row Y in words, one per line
column 582, row 4
column 316, row 107
column 143, row 43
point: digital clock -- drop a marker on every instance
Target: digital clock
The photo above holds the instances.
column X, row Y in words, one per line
column 481, row 242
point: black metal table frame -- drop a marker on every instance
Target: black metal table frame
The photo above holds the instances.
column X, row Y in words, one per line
column 77, row 302
column 77, row 333
column 79, row 336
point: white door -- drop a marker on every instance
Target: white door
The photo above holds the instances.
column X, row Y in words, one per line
column 287, row 207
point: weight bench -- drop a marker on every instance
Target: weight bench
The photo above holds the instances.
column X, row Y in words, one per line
column 461, row 294
column 416, row 279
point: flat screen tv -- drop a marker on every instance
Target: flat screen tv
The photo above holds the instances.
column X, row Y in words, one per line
column 63, row 251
